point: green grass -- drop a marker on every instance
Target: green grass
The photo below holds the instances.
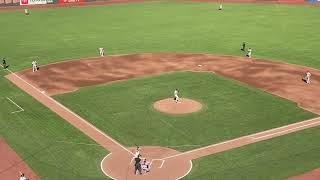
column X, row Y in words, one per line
column 282, row 32
column 45, row 141
column 275, row 159
column 231, row 109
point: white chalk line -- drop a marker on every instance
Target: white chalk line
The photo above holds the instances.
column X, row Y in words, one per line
column 80, row 118
column 301, row 122
column 186, row 172
column 243, row 137
column 20, row 108
column 101, row 167
column 162, row 162
column 283, row 131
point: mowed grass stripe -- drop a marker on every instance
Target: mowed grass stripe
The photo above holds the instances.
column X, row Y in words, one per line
column 283, row 32
column 231, row 109
column 35, row 134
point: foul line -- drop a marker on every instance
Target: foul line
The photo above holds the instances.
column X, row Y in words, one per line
column 280, row 132
column 80, row 118
column 251, row 136
column 21, row 109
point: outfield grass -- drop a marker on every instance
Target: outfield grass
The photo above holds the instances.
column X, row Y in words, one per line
column 231, row 109
column 275, row 159
column 45, row 141
column 283, row 32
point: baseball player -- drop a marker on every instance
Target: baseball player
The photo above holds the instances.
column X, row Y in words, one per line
column 145, row 166
column 101, row 52
column 243, row 46
column 22, row 176
column 26, row 12
column 136, row 154
column 249, row 54
column 4, row 63
column 220, row 7
column 34, row 66
column 176, row 96
column 307, row 78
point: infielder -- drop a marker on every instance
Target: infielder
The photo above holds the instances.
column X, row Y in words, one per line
column 34, row 66
column 307, row 77
column 101, row 52
column 249, row 54
column 176, row 96
column 220, row 7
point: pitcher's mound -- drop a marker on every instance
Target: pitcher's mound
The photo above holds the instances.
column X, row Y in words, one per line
column 183, row 107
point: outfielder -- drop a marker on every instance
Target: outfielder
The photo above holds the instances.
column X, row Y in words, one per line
column 101, row 52
column 4, row 63
column 176, row 97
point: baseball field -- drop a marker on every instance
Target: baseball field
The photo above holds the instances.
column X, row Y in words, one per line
column 81, row 116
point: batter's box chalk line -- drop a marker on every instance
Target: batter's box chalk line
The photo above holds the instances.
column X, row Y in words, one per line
column 20, row 108
column 161, row 164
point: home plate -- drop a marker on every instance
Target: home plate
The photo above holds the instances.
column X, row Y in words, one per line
column 199, row 65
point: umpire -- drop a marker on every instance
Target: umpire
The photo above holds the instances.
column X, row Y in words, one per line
column 137, row 165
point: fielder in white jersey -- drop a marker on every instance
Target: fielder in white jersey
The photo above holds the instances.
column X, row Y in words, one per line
column 101, row 52
column 176, row 96
column 249, row 53
column 34, row 66
column 307, row 78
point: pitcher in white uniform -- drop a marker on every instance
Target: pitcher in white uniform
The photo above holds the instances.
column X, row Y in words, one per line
column 176, row 96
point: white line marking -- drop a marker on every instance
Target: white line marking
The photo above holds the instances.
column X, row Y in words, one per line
column 187, row 171
column 261, row 137
column 86, row 122
column 286, row 126
column 101, row 166
column 213, row 145
column 161, row 164
column 21, row 109
column 243, row 137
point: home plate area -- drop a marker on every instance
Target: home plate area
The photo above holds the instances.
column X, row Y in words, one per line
column 121, row 165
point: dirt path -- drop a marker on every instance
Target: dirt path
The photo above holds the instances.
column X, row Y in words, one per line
column 274, row 77
column 11, row 164
column 277, row 78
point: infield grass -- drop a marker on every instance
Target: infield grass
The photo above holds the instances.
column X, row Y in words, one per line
column 231, row 109
column 288, row 33
column 51, row 146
